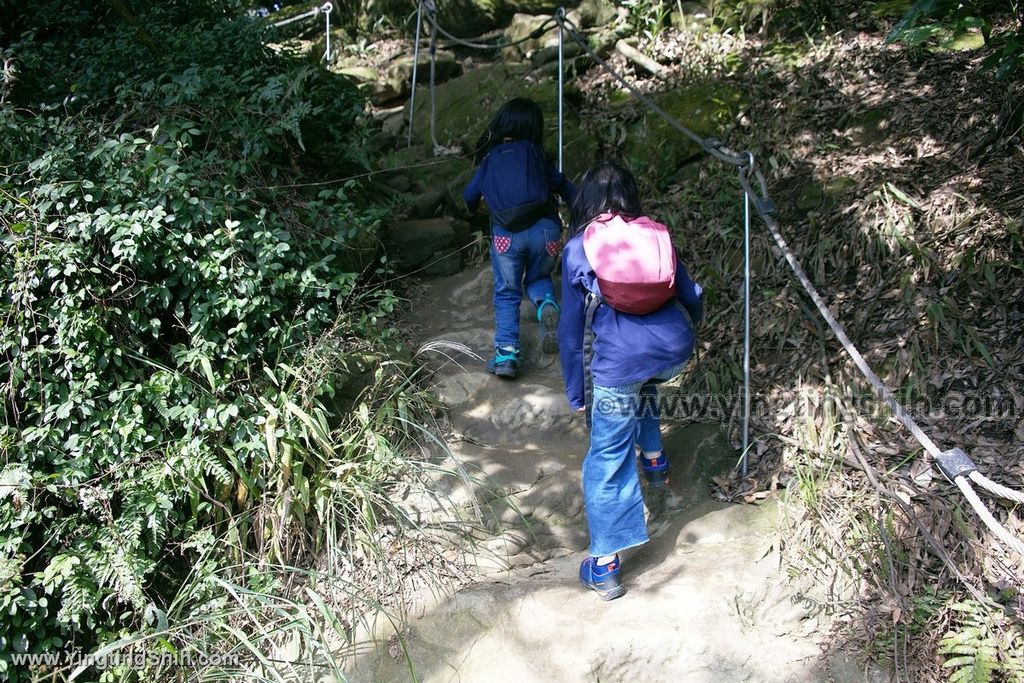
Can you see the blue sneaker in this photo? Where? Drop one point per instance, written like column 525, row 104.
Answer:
column 656, row 471
column 604, row 580
column 547, row 316
column 504, row 363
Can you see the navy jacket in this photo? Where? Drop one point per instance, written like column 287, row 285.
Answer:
column 516, row 173
column 627, row 348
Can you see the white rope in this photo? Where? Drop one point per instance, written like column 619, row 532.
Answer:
column 305, row 15
column 876, row 382
column 995, row 488
column 712, row 147
column 533, row 35
column 326, row 7
column 990, row 521
column 765, row 209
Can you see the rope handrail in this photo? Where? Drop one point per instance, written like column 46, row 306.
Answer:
column 313, row 12
column 712, row 147
column 431, row 12
column 326, row 9
column 996, row 488
column 532, row 35
column 766, row 210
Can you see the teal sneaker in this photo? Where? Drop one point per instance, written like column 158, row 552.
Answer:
column 547, row 316
column 604, row 580
column 504, row 363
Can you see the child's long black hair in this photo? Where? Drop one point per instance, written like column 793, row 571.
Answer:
column 518, row 119
column 608, row 187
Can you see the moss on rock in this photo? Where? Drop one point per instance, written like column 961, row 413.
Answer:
column 656, row 149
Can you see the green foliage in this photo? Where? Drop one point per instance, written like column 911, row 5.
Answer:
column 648, row 18
column 983, row 648
column 928, row 21
column 164, row 283
column 775, row 16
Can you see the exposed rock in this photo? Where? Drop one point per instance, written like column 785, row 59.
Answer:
column 658, row 150
column 603, row 41
column 382, row 93
column 398, row 182
column 446, row 67
column 463, row 18
column 443, row 263
column 520, row 28
column 415, row 242
column 393, row 122
column 596, row 13
column 573, row 67
column 467, row 103
column 363, row 74
column 426, row 205
column 550, row 53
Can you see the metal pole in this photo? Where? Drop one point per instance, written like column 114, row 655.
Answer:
column 432, row 15
column 415, row 61
column 746, row 320
column 561, row 80
column 327, row 8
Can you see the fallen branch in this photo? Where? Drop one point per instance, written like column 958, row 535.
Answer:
column 634, row 55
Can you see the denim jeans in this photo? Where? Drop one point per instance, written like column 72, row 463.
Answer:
column 622, row 418
column 521, row 260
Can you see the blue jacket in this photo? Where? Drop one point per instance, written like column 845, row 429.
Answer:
column 627, row 348
column 516, row 173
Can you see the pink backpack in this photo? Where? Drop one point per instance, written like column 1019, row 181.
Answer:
column 634, row 261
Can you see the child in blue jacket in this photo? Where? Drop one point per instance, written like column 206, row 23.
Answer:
column 627, row 356
column 516, row 180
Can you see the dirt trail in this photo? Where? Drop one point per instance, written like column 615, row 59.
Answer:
column 705, row 602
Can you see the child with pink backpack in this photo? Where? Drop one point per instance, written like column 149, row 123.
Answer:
column 627, row 324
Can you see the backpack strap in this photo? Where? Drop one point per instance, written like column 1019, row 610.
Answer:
column 590, row 307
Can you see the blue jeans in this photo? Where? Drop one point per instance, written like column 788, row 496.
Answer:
column 521, row 259
column 622, row 418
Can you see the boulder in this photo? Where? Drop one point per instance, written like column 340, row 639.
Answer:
column 656, row 149
column 446, row 67
column 466, row 104
column 573, row 67
column 399, row 182
column 550, row 53
column 596, row 13
column 382, row 93
column 415, row 242
column 362, row 74
column 443, row 263
column 463, row 18
column 521, row 26
column 426, row 205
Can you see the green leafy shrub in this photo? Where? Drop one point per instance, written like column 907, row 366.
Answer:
column 985, row 647
column 950, row 20
column 783, row 17
column 164, row 271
